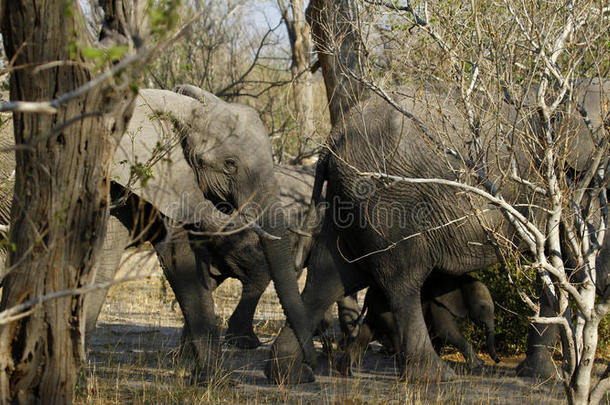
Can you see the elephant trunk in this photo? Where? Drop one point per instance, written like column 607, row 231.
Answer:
column 282, row 268
column 491, row 344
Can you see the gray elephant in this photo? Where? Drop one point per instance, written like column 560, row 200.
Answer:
column 393, row 233
column 190, row 166
column 444, row 298
column 240, row 256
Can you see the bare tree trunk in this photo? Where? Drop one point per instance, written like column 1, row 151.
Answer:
column 580, row 384
column 300, row 43
column 61, row 198
column 337, row 41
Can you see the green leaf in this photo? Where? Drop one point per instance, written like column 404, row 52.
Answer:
column 116, row 52
column 142, row 172
column 92, row 53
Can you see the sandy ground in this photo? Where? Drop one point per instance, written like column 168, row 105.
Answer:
column 132, row 359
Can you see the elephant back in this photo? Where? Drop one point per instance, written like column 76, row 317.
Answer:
column 296, row 183
column 378, row 140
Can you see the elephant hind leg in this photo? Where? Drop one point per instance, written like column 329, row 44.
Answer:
column 241, row 332
column 185, row 268
column 418, row 360
column 541, row 339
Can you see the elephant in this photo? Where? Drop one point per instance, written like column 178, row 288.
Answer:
column 191, row 165
column 444, row 298
column 241, row 256
column 384, row 230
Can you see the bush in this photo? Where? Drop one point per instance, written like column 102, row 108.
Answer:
column 512, row 314
column 510, row 311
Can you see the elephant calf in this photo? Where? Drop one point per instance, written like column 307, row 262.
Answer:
column 444, row 298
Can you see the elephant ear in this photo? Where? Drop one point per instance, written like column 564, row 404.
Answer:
column 150, row 161
column 453, row 301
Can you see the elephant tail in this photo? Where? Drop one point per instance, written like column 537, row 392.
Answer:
column 312, row 221
column 321, row 172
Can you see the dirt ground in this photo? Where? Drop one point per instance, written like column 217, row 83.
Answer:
column 132, row 359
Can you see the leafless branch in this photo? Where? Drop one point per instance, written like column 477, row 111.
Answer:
column 223, row 92
column 396, row 7
column 28, row 307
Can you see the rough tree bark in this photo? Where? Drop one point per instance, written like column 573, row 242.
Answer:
column 300, row 44
column 61, row 198
column 334, row 27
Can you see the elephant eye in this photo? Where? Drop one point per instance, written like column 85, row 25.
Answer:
column 230, row 166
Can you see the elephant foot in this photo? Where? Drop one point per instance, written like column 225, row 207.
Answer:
column 427, row 372
column 218, row 377
column 538, row 365
column 241, row 341
column 284, row 371
column 344, row 366
column 474, row 364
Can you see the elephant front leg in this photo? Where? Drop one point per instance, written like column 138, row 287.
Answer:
column 116, row 239
column 184, row 269
column 445, row 328
column 241, row 332
column 323, row 287
column 286, row 364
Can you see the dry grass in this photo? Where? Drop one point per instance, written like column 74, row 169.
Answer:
column 133, row 360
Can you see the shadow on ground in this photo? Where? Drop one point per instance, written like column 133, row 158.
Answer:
column 143, row 358
column 133, row 359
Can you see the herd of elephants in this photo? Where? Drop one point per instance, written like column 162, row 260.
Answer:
column 195, row 177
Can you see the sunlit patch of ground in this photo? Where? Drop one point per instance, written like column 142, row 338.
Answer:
column 132, row 359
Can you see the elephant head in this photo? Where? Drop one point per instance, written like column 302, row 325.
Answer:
column 481, row 309
column 235, row 165
column 196, row 159
column 468, row 297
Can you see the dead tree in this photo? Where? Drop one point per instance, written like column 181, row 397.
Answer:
column 334, row 26
column 300, row 43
